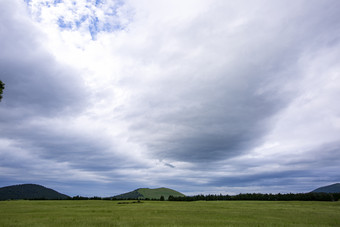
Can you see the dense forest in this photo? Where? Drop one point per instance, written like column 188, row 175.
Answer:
column 263, row 197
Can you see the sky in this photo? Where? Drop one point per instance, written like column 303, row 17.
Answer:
column 201, row 96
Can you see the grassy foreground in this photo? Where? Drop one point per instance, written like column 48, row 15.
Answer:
column 156, row 213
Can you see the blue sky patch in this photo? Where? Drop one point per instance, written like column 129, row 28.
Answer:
column 57, row 2
column 93, row 28
column 64, row 25
column 82, row 20
column 98, row 2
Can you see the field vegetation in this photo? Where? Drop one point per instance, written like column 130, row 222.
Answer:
column 168, row 213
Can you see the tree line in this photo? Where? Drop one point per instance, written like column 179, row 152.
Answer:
column 162, row 198
column 319, row 196
column 243, row 196
column 262, row 197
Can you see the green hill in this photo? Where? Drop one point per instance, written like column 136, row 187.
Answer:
column 147, row 193
column 29, row 191
column 333, row 188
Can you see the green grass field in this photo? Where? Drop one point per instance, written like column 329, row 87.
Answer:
column 156, row 213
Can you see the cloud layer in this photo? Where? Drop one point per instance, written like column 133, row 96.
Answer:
column 201, row 96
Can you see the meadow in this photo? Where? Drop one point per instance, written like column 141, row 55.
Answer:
column 167, row 213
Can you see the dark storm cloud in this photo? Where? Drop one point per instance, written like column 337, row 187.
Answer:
column 322, row 156
column 226, row 103
column 35, row 83
column 261, row 179
column 301, row 172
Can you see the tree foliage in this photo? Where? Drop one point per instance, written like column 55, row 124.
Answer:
column 2, row 87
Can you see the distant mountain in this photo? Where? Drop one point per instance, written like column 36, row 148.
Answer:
column 333, row 188
column 147, row 193
column 29, row 191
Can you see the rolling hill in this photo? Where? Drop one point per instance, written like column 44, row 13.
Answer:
column 29, row 191
column 147, row 193
column 333, row 188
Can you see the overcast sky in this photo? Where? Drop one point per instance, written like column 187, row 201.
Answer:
column 201, row 96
